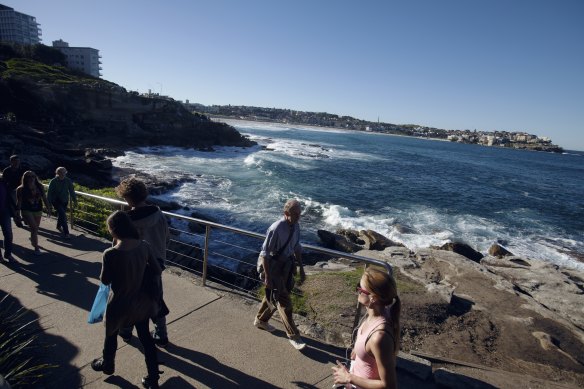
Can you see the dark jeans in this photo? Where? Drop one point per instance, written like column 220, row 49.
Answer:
column 6, row 225
column 110, row 346
column 62, row 217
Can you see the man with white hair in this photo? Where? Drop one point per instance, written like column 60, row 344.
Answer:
column 60, row 191
column 280, row 251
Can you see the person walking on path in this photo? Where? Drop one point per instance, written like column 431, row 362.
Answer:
column 280, row 250
column 12, row 176
column 377, row 343
column 5, row 222
column 30, row 197
column 60, row 190
column 152, row 226
column 125, row 268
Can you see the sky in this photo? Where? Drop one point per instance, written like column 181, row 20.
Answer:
column 507, row 65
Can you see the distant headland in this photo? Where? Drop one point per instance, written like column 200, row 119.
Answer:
column 517, row 140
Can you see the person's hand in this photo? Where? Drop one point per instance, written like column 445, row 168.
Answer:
column 302, row 274
column 353, row 354
column 341, row 374
column 267, row 281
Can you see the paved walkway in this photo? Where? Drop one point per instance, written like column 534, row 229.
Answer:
column 213, row 341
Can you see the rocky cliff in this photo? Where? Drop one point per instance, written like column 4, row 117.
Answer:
column 51, row 113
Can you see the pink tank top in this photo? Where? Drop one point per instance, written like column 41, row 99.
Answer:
column 364, row 364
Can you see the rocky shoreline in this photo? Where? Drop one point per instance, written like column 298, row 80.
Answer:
column 499, row 310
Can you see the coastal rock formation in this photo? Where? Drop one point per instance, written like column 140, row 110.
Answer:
column 337, row 242
column 53, row 116
column 462, row 249
column 496, row 250
column 350, row 241
column 512, row 305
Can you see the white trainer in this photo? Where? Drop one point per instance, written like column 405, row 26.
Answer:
column 263, row 325
column 297, row 342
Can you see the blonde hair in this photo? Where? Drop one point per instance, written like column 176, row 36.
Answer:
column 383, row 286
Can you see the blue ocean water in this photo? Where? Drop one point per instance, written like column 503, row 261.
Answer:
column 532, row 202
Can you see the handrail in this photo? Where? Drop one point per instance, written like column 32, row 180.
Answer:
column 210, row 225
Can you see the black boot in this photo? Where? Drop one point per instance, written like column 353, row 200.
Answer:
column 100, row 364
column 150, row 383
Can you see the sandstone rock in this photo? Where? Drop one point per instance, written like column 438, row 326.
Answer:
column 376, row 241
column 462, row 249
column 352, row 235
column 496, row 250
column 559, row 291
column 337, row 242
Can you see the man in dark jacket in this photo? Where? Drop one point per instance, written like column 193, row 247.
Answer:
column 5, row 222
column 12, row 176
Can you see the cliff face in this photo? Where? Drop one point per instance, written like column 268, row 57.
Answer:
column 107, row 116
column 56, row 117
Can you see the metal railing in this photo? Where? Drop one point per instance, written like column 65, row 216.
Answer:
column 214, row 251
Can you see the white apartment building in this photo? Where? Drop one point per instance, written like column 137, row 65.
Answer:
column 16, row 27
column 84, row 59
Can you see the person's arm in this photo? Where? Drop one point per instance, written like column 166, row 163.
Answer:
column 105, row 277
column 44, row 198
column 298, row 257
column 51, row 191
column 18, row 198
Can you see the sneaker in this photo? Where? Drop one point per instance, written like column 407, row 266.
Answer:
column 160, row 341
column 38, row 251
column 263, row 325
column 297, row 342
column 66, row 236
column 100, row 365
column 127, row 338
column 150, row 383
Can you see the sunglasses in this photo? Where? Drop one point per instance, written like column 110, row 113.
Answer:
column 360, row 290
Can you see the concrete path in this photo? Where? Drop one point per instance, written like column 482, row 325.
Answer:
column 213, row 341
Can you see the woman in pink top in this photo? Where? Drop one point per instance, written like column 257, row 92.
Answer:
column 375, row 352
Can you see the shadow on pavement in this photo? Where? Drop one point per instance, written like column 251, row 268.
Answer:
column 59, row 276
column 49, row 349
column 207, row 370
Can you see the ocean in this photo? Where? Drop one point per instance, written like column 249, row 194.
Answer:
column 531, row 202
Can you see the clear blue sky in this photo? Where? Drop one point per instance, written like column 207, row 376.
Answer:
column 515, row 65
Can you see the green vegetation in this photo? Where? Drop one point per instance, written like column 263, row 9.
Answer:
column 40, row 72
column 91, row 214
column 19, row 345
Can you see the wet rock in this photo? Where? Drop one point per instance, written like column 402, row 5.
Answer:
column 496, row 250
column 463, row 249
column 376, row 241
column 337, row 242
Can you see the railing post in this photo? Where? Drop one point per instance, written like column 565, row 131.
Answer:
column 206, row 253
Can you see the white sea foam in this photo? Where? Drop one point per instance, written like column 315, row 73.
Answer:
column 244, row 187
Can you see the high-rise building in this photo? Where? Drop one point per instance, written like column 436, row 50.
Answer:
column 16, row 27
column 84, row 59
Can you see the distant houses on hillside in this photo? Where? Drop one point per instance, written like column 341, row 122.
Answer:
column 518, row 140
column 21, row 29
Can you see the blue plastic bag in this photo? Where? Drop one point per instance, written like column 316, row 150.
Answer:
column 99, row 304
